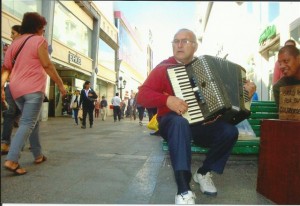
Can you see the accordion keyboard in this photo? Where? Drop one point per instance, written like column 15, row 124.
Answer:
column 183, row 90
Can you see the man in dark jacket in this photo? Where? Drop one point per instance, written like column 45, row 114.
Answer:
column 87, row 99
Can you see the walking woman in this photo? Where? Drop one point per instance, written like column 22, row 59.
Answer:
column 12, row 114
column 75, row 105
column 27, row 68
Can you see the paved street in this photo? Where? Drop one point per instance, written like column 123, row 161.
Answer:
column 115, row 163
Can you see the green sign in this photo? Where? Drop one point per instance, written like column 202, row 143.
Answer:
column 268, row 33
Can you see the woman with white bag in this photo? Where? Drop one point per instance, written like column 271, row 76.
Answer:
column 75, row 105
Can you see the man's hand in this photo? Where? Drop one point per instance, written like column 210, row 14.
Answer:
column 177, row 105
column 250, row 87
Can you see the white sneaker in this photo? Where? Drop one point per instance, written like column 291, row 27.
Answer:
column 206, row 184
column 187, row 198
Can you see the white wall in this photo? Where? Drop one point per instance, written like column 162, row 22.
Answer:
column 231, row 30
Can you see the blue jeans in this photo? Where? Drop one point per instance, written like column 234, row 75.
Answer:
column 75, row 112
column 9, row 117
column 30, row 106
column 219, row 136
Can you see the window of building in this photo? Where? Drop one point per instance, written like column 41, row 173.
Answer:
column 18, row 8
column 295, row 30
column 102, row 88
column 106, row 55
column 273, row 11
column 250, row 7
column 130, row 52
column 69, row 30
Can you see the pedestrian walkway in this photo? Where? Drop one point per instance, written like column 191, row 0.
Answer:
column 115, row 163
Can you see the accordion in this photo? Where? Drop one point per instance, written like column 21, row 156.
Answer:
column 211, row 86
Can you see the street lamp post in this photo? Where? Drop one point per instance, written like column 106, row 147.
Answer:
column 122, row 85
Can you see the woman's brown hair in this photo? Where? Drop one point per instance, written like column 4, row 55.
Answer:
column 16, row 28
column 32, row 22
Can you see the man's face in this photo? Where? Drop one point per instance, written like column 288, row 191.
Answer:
column 289, row 65
column 184, row 47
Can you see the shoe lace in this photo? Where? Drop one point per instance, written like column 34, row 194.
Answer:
column 208, row 180
column 188, row 197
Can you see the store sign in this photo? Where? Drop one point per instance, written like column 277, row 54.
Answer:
column 73, row 58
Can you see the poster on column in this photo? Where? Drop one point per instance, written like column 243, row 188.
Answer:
column 289, row 103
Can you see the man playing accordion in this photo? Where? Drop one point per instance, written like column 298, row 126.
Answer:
column 216, row 134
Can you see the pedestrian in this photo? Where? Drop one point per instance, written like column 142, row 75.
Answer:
column 97, row 108
column 131, row 107
column 151, row 112
column 75, row 105
column 289, row 62
column 87, row 99
column 116, row 102
column 217, row 135
column 123, row 107
column 103, row 107
column 27, row 73
column 140, row 110
column 12, row 114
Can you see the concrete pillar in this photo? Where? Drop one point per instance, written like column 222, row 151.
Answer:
column 48, row 13
column 95, row 47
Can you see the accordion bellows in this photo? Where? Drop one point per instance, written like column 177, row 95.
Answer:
column 211, row 86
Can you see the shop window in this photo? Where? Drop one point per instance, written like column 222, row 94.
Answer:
column 106, row 55
column 70, row 30
column 18, row 8
column 295, row 30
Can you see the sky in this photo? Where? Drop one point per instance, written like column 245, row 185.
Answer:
column 164, row 18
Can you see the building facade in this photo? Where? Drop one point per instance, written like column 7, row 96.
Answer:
column 84, row 45
column 131, row 57
column 235, row 31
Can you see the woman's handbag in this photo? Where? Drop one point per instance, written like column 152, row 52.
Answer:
column 75, row 105
column 153, row 124
column 80, row 114
column 45, row 98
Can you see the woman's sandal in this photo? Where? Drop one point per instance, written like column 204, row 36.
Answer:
column 15, row 171
column 40, row 160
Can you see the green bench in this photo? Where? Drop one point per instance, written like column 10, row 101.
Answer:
column 259, row 110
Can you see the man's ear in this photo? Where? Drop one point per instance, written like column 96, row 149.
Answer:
column 195, row 47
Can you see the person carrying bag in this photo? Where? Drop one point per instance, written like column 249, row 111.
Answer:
column 75, row 106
